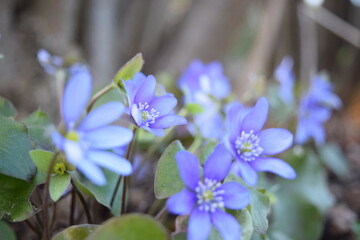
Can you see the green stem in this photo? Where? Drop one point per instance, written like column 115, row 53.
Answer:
column 98, row 95
column 83, row 202
column 196, row 143
column 46, row 197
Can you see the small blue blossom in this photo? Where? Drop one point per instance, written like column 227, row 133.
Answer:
column 50, row 63
column 205, row 85
column 150, row 112
column 286, row 78
column 315, row 109
column 249, row 144
column 206, row 198
column 85, row 144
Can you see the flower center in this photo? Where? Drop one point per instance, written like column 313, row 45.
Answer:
column 209, row 197
column 148, row 115
column 247, row 146
column 60, row 168
column 73, row 136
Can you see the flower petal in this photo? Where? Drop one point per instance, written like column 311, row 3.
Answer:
column 188, row 166
column 275, row 140
column 235, row 113
column 218, row 164
column 163, row 104
column 226, row 224
column 181, row 203
column 111, row 161
column 73, row 151
column 274, row 165
column 58, row 140
column 146, row 90
column 199, row 225
column 130, row 89
column 136, row 114
column 102, row 116
column 168, row 121
column 247, row 173
column 92, row 172
column 76, row 95
column 235, row 196
column 108, row 137
column 256, row 118
column 156, row 131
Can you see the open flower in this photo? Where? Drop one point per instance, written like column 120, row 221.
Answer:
column 150, row 112
column 205, row 85
column 315, row 109
column 86, row 145
column 205, row 198
column 249, row 145
column 286, row 78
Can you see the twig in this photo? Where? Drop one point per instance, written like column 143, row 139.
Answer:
column 33, row 228
column 73, row 203
column 161, row 213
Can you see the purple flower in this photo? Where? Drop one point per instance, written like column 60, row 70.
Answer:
column 150, row 112
column 50, row 63
column 249, row 144
column 285, row 76
column 86, row 145
column 205, row 198
column 205, row 85
column 315, row 109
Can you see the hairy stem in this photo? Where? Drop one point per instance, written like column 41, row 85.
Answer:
column 46, row 197
column 83, row 202
column 98, row 95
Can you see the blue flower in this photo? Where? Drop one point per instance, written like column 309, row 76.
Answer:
column 249, row 145
column 85, row 144
column 285, row 76
column 205, row 85
column 205, row 198
column 150, row 112
column 50, row 63
column 315, row 109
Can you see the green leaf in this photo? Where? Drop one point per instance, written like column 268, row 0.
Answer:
column 334, row 159
column 259, row 208
column 130, row 227
column 6, row 231
column 194, row 108
column 102, row 194
column 15, row 145
column 58, row 185
column 206, row 150
column 40, row 128
column 167, row 176
column 246, row 223
column 41, row 159
column 7, row 109
column 77, row 232
column 128, row 71
column 14, row 197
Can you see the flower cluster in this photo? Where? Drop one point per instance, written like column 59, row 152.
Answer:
column 286, row 78
column 206, row 197
column 86, row 144
column 205, row 85
column 315, row 109
column 150, row 112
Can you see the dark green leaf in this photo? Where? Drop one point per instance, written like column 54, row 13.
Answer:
column 130, row 227
column 58, row 185
column 6, row 231
column 206, row 150
column 15, row 145
column 14, row 197
column 102, row 194
column 334, row 159
column 40, row 128
column 77, row 232
column 128, row 71
column 7, row 109
column 259, row 208
column 167, row 177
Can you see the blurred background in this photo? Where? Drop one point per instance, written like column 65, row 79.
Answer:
column 250, row 37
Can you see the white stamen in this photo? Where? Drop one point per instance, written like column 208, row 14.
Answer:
column 247, row 146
